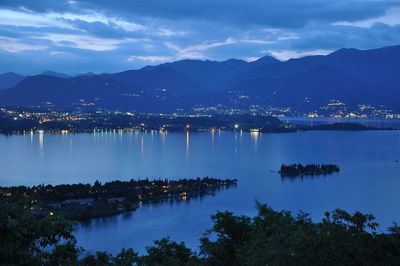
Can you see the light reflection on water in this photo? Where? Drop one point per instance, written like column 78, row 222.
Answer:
column 368, row 181
column 187, row 144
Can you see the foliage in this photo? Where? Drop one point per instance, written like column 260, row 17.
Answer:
column 166, row 252
column 295, row 170
column 25, row 237
column 270, row 238
column 278, row 238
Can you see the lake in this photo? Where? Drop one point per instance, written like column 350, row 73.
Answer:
column 368, row 181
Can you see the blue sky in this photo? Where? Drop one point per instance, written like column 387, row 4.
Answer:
column 76, row 36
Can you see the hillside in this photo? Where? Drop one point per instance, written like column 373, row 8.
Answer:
column 9, row 80
column 349, row 75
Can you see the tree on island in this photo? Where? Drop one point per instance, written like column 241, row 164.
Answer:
column 294, row 170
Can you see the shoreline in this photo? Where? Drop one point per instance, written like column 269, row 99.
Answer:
column 82, row 202
column 346, row 126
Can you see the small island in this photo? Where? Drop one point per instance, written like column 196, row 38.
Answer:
column 81, row 202
column 295, row 170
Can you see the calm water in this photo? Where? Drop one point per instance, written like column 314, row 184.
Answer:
column 368, row 181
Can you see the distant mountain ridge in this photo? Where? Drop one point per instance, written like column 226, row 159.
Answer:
column 9, row 80
column 374, row 74
column 214, row 75
column 351, row 75
column 55, row 74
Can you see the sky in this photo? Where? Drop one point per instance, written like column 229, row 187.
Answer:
column 78, row 36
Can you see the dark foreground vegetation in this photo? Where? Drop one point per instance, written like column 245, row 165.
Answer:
column 270, row 238
column 85, row 201
column 295, row 170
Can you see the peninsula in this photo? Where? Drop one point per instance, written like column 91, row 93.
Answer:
column 85, row 201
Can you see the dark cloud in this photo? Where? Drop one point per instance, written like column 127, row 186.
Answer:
column 100, row 29
column 331, row 38
column 108, row 36
column 271, row 13
column 4, row 32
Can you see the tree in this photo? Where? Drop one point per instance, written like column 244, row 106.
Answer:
column 24, row 236
column 169, row 253
column 269, row 238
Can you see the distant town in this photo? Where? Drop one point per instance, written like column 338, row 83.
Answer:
column 25, row 120
column 333, row 108
column 83, row 110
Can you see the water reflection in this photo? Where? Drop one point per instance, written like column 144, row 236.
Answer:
column 236, row 143
column 171, row 202
column 254, row 139
column 142, row 146
column 187, row 144
column 163, row 135
column 41, row 143
column 305, row 177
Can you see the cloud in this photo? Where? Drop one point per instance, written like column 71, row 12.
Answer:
column 283, row 13
column 14, row 46
column 84, row 42
column 150, row 58
column 325, row 37
column 289, row 54
column 251, row 58
column 26, row 18
column 257, row 41
column 195, row 51
column 59, row 53
column 97, row 18
column 391, row 18
column 101, row 35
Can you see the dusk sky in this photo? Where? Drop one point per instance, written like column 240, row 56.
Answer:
column 110, row 36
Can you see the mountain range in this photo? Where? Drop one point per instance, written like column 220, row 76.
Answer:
column 9, row 80
column 349, row 75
